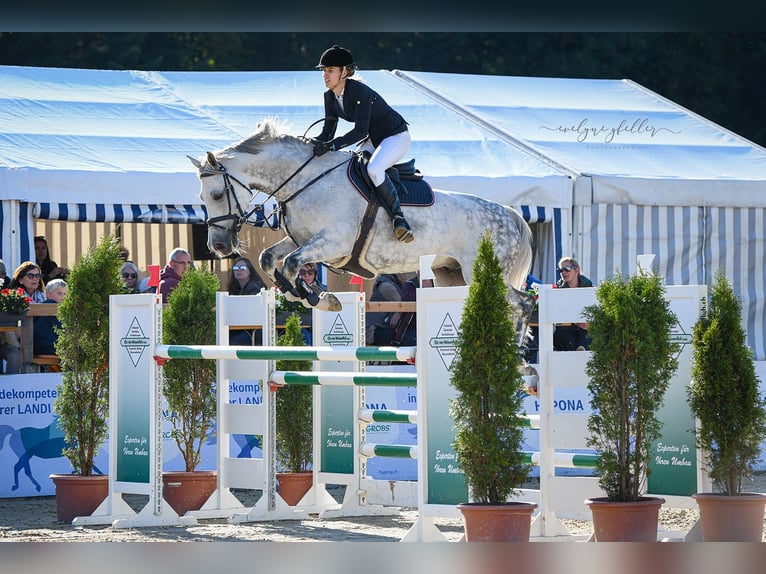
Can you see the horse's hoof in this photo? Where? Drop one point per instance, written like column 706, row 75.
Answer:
column 329, row 302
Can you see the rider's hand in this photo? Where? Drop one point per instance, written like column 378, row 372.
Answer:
column 320, row 147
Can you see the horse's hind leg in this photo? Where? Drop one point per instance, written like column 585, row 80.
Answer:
column 24, row 463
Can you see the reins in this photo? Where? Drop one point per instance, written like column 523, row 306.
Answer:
column 242, row 216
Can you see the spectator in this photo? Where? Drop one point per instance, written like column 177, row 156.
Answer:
column 404, row 324
column 309, row 274
column 4, row 279
column 387, row 287
column 29, row 277
column 179, row 261
column 130, row 277
column 50, row 269
column 124, row 253
column 573, row 336
column 532, row 345
column 244, row 280
column 45, row 327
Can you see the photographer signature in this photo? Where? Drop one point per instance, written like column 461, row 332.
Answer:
column 584, row 131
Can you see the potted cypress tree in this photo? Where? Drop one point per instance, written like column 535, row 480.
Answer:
column 631, row 364
column 487, row 407
column 725, row 398
column 294, row 422
column 82, row 404
column 189, row 387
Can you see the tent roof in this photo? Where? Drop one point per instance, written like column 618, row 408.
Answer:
column 634, row 145
column 112, row 137
column 99, row 136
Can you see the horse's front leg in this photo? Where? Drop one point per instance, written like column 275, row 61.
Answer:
column 313, row 295
column 268, row 261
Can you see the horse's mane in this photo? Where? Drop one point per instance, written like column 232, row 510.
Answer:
column 268, row 129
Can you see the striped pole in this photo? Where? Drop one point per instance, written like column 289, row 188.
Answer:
column 282, row 378
column 396, row 354
column 368, row 416
column 565, row 459
column 388, row 450
column 531, row 421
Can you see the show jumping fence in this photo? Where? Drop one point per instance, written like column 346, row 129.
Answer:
column 340, row 411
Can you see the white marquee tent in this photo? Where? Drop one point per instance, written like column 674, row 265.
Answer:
column 610, row 169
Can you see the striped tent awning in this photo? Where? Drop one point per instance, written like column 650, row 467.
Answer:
column 124, row 213
column 187, row 213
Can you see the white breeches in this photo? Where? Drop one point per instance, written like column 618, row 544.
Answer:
column 389, row 152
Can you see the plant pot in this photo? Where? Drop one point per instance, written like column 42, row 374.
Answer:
column 293, row 486
column 509, row 522
column 634, row 521
column 78, row 495
column 185, row 491
column 731, row 518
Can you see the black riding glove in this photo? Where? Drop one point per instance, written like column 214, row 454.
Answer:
column 320, row 147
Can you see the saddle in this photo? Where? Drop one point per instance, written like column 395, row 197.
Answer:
column 412, row 189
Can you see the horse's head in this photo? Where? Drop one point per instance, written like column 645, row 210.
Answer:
column 224, row 203
column 227, row 179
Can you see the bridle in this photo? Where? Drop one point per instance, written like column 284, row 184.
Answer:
column 240, row 217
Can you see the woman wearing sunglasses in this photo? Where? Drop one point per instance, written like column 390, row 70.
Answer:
column 28, row 277
column 130, row 277
column 244, row 280
column 573, row 337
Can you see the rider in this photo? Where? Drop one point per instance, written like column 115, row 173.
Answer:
column 381, row 130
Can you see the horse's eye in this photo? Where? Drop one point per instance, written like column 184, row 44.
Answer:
column 216, row 195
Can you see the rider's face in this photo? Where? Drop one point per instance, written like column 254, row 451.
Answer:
column 332, row 77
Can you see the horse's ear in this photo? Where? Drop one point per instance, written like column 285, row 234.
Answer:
column 196, row 162
column 211, row 160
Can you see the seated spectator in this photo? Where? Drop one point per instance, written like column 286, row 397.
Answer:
column 29, row 277
column 50, row 269
column 130, row 277
column 4, row 279
column 179, row 260
column 572, row 337
column 404, row 324
column 45, row 327
column 309, row 274
column 532, row 343
column 244, row 280
column 387, row 287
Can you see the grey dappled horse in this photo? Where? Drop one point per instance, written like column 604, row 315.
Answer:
column 320, row 211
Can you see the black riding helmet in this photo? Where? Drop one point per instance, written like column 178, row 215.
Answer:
column 335, row 56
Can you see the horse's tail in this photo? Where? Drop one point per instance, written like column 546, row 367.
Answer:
column 522, row 267
column 5, row 430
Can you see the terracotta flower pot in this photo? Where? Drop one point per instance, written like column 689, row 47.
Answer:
column 625, row 521
column 731, row 518
column 509, row 522
column 293, row 486
column 78, row 495
column 185, row 491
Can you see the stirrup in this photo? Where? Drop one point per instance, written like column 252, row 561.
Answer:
column 402, row 230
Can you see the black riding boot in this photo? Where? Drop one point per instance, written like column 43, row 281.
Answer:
column 390, row 200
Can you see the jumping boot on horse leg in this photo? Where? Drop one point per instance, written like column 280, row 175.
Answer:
column 390, row 200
